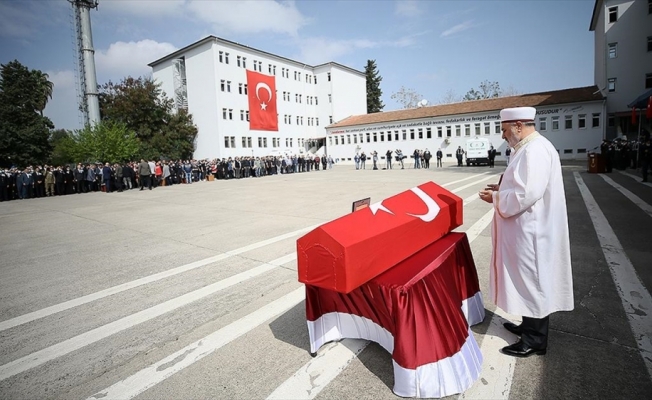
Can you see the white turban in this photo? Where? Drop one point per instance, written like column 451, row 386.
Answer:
column 518, row 114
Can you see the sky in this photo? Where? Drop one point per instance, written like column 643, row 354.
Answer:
column 434, row 47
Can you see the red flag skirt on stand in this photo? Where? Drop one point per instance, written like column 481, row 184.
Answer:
column 262, row 102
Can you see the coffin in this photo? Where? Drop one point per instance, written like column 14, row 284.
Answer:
column 343, row 254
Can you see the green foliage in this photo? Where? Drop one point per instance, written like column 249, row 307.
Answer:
column 64, row 150
column 107, row 141
column 143, row 107
column 24, row 131
column 374, row 103
column 487, row 90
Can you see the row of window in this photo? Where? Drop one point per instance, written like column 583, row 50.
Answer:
column 612, row 48
column 613, row 12
column 247, row 142
column 477, row 130
column 225, row 86
column 241, row 61
column 611, row 82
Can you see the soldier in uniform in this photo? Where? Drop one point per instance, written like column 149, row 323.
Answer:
column 49, row 182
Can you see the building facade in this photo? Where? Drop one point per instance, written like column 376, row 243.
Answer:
column 208, row 79
column 572, row 119
column 623, row 57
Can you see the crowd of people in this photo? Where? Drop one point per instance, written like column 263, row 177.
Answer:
column 47, row 180
column 421, row 159
column 622, row 154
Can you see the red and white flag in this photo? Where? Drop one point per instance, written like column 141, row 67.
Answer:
column 262, row 102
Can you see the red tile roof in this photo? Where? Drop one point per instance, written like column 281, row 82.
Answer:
column 575, row 95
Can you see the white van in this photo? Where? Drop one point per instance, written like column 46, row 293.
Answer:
column 477, row 151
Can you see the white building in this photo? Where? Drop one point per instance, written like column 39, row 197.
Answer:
column 623, row 57
column 572, row 119
column 208, row 78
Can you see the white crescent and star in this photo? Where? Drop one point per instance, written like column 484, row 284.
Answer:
column 433, row 207
column 263, row 105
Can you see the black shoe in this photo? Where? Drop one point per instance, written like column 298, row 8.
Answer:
column 515, row 329
column 520, row 349
column 142, row 188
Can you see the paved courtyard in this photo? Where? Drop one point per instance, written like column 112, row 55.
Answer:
column 191, row 291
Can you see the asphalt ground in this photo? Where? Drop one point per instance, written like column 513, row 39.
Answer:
column 98, row 292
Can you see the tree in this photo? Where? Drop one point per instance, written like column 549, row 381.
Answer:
column 43, row 91
column 374, row 103
column 487, row 90
column 450, row 97
column 409, row 98
column 64, row 147
column 144, row 108
column 24, row 131
column 108, row 141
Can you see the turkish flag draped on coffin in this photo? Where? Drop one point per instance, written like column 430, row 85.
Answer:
column 262, row 102
column 345, row 253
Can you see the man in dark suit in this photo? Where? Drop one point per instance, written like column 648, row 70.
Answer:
column 79, row 174
column 492, row 156
column 106, row 177
column 439, row 157
column 25, row 182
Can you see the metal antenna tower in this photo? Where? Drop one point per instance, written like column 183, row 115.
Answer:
column 89, row 103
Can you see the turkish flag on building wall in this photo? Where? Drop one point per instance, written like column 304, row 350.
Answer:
column 262, row 102
column 648, row 111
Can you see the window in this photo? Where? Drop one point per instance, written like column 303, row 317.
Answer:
column 382, row 137
column 330, row 119
column 458, row 130
column 375, row 136
column 317, row 120
column 336, row 140
column 241, row 115
column 247, row 117
column 613, row 14
column 477, row 129
column 245, row 88
column 355, row 139
column 612, row 120
column 428, row 133
column 222, row 84
column 224, row 113
column 368, row 137
column 221, row 56
column 612, row 84
column 596, row 120
column 329, row 98
column 411, row 134
column 404, row 133
column 299, row 76
column 555, row 123
column 244, row 141
column 330, row 141
column 230, row 113
column 239, row 60
column 543, row 124
column 226, row 58
column 613, row 50
column 467, row 129
column 240, row 88
column 389, row 136
column 298, row 120
column 487, row 128
column 396, row 135
column 329, row 76
column 227, row 142
column 420, row 133
column 581, row 121
column 244, row 62
column 568, row 122
column 497, row 127
column 568, row 151
column 648, row 81
column 228, row 86
column 649, row 43
column 581, row 151
column 649, row 6
column 316, row 101
column 448, row 131
column 295, row 75
column 439, row 131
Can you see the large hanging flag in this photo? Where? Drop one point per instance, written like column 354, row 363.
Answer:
column 648, row 111
column 262, row 102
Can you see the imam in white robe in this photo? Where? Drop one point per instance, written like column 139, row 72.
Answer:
column 530, row 271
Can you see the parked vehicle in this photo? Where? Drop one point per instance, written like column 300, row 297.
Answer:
column 477, row 151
